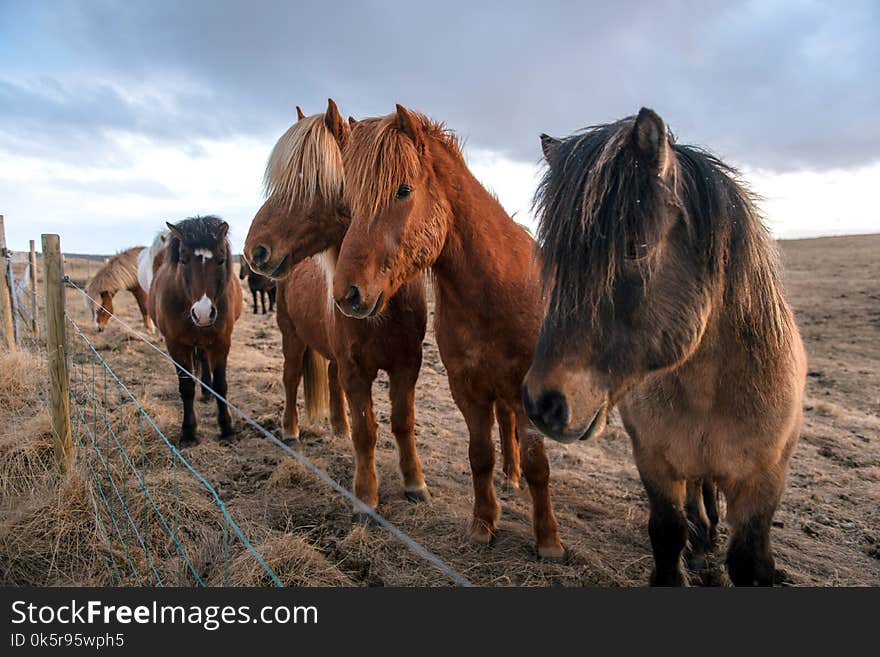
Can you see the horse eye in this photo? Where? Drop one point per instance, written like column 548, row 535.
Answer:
column 636, row 251
column 403, row 191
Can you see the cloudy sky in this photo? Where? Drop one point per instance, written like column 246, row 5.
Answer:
column 117, row 116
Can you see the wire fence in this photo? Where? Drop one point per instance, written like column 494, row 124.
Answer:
column 162, row 522
column 113, row 441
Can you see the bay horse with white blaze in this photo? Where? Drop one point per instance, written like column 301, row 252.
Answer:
column 119, row 273
column 416, row 206
column 195, row 301
column 665, row 299
column 295, row 237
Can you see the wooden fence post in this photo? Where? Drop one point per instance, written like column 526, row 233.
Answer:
column 35, row 328
column 56, row 345
column 6, row 294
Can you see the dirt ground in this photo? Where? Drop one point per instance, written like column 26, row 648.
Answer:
column 826, row 532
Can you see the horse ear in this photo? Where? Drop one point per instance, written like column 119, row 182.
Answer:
column 409, row 125
column 222, row 231
column 352, row 122
column 299, row 113
column 549, row 145
column 174, row 230
column 334, row 122
column 650, row 140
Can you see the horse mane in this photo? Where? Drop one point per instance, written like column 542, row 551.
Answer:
column 118, row 273
column 199, row 232
column 305, row 165
column 596, row 204
column 376, row 166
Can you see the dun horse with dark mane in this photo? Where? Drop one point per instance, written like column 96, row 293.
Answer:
column 415, row 205
column 195, row 301
column 295, row 237
column 119, row 273
column 664, row 299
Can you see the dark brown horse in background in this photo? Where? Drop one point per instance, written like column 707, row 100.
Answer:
column 415, row 205
column 295, row 237
column 665, row 300
column 195, row 301
column 257, row 283
column 119, row 273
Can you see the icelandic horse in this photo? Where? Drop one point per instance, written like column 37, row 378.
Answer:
column 416, row 206
column 119, row 273
column 295, row 238
column 665, row 300
column 195, row 301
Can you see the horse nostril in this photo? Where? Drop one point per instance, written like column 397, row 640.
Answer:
column 353, row 298
column 551, row 410
column 213, row 314
column 192, row 313
column 260, row 255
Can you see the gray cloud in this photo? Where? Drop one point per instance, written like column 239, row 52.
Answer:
column 778, row 85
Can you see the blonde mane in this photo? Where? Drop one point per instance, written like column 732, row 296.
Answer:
column 379, row 157
column 305, row 165
column 118, row 273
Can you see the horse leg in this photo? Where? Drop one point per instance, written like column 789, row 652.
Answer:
column 509, row 445
column 751, row 504
column 186, row 385
column 254, row 293
column 263, row 300
column 294, row 349
column 218, row 358
column 403, row 392
column 338, row 416
column 205, row 373
column 141, row 298
column 536, row 470
column 699, row 533
column 478, row 417
column 710, row 502
column 358, row 390
column 272, row 292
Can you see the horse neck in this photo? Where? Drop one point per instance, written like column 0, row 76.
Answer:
column 485, row 252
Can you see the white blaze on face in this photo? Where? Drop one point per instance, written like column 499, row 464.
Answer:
column 203, row 313
column 204, row 254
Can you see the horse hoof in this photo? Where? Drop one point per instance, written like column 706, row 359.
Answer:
column 361, row 519
column 188, row 441
column 480, row 532
column 695, row 562
column 552, row 553
column 290, row 439
column 226, row 434
column 417, row 494
column 345, row 435
column 511, row 483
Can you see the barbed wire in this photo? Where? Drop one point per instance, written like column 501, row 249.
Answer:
column 374, row 515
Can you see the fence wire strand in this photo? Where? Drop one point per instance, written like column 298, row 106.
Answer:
column 229, row 523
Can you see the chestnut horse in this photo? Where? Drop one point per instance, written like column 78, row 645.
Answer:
column 195, row 301
column 258, row 283
column 305, row 215
column 416, row 206
column 665, row 300
column 119, row 273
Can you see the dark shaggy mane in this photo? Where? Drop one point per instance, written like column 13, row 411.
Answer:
column 597, row 213
column 199, row 232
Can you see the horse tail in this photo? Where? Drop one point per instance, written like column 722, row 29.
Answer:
column 316, row 385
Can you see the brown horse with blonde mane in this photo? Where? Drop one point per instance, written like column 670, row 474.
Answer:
column 195, row 301
column 416, row 206
column 119, row 273
column 665, row 300
column 295, row 237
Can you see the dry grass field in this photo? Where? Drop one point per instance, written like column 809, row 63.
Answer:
column 826, row 533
